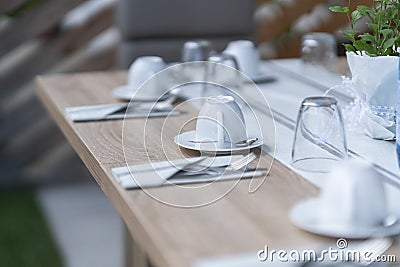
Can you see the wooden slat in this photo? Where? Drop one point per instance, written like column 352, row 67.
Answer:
column 24, row 110
column 58, row 164
column 26, row 145
column 291, row 46
column 10, row 5
column 34, row 22
column 269, row 30
column 84, row 60
column 55, row 50
column 20, row 118
column 28, row 137
column 18, row 99
column 31, row 142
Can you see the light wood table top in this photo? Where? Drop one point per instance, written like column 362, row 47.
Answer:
column 240, row 222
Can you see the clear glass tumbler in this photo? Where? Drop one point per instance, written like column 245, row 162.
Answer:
column 320, row 138
column 222, row 75
column 196, row 50
column 320, row 49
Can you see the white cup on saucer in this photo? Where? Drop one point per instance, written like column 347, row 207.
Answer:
column 247, row 56
column 353, row 196
column 220, row 121
column 141, row 70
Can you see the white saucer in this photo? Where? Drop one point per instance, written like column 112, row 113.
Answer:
column 183, row 140
column 305, row 216
column 123, row 92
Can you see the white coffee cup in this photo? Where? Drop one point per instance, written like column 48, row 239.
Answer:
column 142, row 69
column 220, row 120
column 246, row 55
column 353, row 196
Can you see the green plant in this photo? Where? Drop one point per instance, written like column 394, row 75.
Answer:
column 383, row 20
column 25, row 239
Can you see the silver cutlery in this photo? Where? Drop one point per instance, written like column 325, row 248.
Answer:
column 122, row 110
column 234, row 166
column 120, row 106
column 237, row 165
column 202, row 141
column 201, row 163
column 211, row 178
column 169, row 173
column 242, row 143
column 125, row 173
column 165, row 105
column 247, row 142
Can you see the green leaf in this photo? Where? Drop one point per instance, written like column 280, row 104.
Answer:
column 338, row 9
column 365, row 10
column 390, row 52
column 388, row 44
column 387, row 32
column 383, row 20
column 370, row 49
column 349, row 47
column 350, row 34
column 355, row 16
column 359, row 45
column 367, row 37
column 373, row 27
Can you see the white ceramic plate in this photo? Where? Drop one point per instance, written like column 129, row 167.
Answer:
column 183, row 140
column 305, row 216
column 125, row 93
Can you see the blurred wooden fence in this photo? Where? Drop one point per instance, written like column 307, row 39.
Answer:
column 35, row 38
column 281, row 23
column 39, row 36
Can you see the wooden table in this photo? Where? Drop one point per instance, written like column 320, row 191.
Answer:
column 240, row 222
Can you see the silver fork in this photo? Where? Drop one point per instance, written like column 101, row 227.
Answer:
column 238, row 164
column 234, row 166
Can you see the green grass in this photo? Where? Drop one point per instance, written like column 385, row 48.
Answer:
column 25, row 239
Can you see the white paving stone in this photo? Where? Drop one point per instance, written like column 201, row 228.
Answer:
column 85, row 226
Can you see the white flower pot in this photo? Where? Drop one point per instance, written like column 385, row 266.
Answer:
column 374, row 79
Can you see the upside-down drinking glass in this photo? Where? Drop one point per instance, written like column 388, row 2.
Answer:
column 222, row 69
column 320, row 139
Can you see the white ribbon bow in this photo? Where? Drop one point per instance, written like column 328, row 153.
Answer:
column 376, row 121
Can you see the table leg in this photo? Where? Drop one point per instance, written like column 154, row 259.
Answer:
column 134, row 254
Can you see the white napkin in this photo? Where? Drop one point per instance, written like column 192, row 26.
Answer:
column 376, row 127
column 374, row 78
column 93, row 112
column 107, row 112
column 153, row 174
column 156, row 174
column 374, row 83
